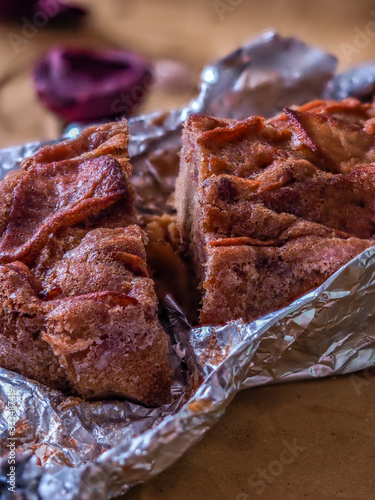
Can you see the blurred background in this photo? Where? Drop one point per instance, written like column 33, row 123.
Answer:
column 192, row 33
column 331, row 420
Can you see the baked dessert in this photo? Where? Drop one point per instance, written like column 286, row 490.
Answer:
column 269, row 209
column 170, row 271
column 78, row 310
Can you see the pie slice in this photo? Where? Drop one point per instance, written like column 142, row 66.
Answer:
column 269, row 209
column 78, row 310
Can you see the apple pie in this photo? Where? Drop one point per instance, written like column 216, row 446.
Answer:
column 269, row 209
column 78, row 310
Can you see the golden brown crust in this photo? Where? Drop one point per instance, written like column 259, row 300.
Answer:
column 50, row 196
column 271, row 208
column 93, row 142
column 78, row 310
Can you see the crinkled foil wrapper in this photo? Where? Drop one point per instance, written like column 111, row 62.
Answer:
column 73, row 449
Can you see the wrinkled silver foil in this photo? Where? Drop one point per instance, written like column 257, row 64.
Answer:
column 73, row 449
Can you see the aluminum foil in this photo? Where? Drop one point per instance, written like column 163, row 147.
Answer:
column 73, row 449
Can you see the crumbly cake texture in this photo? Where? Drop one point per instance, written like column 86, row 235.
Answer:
column 171, row 274
column 269, row 209
column 78, row 310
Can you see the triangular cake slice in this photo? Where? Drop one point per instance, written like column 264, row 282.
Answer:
column 78, row 310
column 269, row 209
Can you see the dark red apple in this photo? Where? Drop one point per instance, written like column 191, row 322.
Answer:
column 37, row 11
column 88, row 85
column 14, row 10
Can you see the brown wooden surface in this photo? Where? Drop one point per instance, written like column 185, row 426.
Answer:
column 332, row 420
